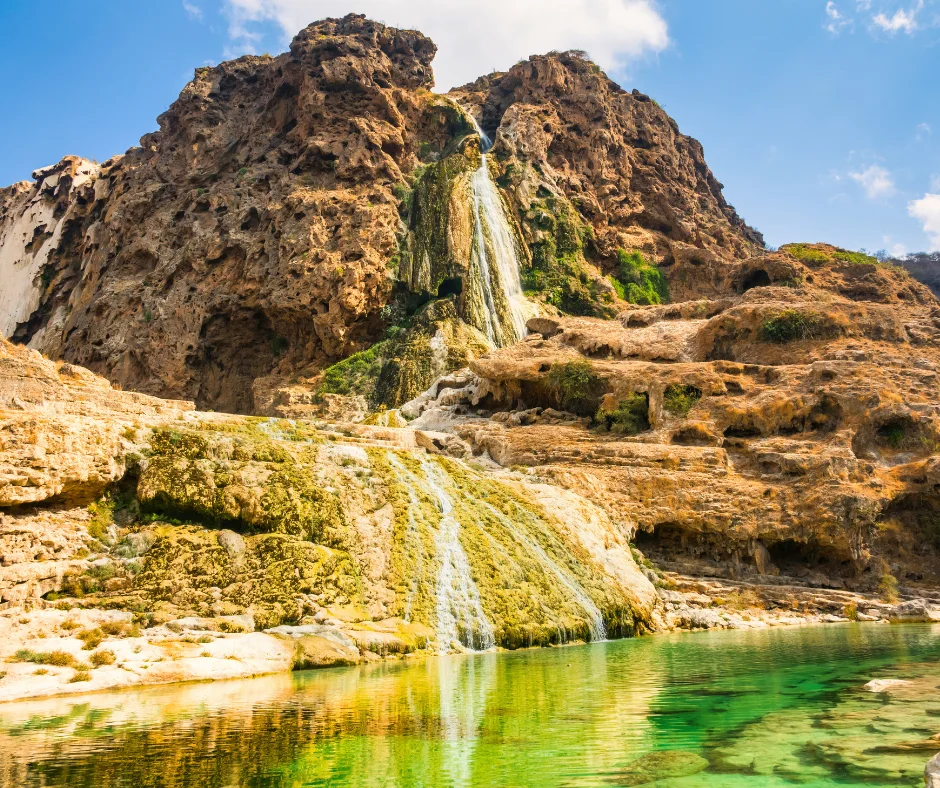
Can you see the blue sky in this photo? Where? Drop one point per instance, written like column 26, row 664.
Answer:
column 821, row 118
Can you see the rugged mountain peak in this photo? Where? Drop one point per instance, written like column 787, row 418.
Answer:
column 292, row 211
column 617, row 154
column 356, row 50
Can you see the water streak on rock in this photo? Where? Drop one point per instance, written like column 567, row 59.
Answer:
column 460, row 617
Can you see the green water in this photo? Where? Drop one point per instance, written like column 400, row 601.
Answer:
column 751, row 709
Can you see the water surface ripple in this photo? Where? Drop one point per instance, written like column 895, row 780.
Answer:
column 751, row 709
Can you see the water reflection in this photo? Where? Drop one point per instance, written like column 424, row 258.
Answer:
column 550, row 717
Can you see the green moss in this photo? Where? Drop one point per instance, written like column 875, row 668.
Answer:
column 630, row 417
column 426, row 262
column 188, row 477
column 558, row 273
column 679, row 399
column 642, row 282
column 792, row 325
column 575, row 386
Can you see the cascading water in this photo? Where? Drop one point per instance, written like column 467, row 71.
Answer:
column 495, row 260
column 460, row 617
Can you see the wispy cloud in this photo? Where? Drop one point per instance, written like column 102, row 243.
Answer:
column 879, row 16
column 895, row 249
column 490, row 34
column 836, row 21
column 935, row 183
column 875, row 180
column 902, row 20
column 192, row 11
column 927, row 211
column 923, row 131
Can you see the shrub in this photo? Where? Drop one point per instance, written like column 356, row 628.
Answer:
column 80, row 674
column 790, row 325
column 92, row 638
column 679, row 399
column 55, row 658
column 807, row 253
column 356, row 374
column 850, row 611
column 642, row 282
column 888, row 588
column 630, row 417
column 102, row 657
column 102, row 517
column 575, row 386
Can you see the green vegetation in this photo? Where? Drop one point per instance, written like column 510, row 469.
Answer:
column 630, row 417
column 679, row 399
column 356, row 374
column 80, row 674
column 575, row 386
column 823, row 254
column 791, row 325
column 640, row 282
column 558, row 273
column 102, row 657
column 888, row 588
column 894, row 435
column 102, row 518
column 61, row 659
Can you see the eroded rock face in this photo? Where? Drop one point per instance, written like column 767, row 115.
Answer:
column 290, row 210
column 789, row 431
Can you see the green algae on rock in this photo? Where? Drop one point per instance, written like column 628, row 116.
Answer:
column 240, row 516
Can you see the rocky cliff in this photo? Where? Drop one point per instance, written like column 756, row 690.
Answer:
column 277, row 221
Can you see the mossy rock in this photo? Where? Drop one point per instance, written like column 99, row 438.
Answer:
column 206, row 478
column 187, row 563
column 558, row 274
column 394, row 371
column 661, row 765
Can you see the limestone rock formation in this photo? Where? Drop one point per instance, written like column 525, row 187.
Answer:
column 786, row 430
column 320, row 241
column 292, row 210
column 172, row 513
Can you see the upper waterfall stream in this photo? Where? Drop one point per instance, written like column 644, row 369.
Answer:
column 495, row 259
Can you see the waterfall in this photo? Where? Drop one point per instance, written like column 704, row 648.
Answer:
column 495, row 256
column 460, row 616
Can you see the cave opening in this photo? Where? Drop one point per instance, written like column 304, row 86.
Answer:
column 450, row 287
column 756, row 278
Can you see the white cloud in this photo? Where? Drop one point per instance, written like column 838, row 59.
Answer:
column 192, row 11
column 923, row 131
column 875, row 180
column 487, row 34
column 927, row 210
column 894, row 249
column 836, row 19
column 900, row 20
